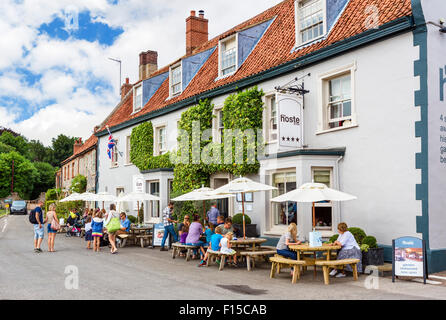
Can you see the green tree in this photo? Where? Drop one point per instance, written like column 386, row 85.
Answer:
column 6, row 148
column 79, row 184
column 45, row 179
column 25, row 175
column 39, row 153
column 62, row 148
column 18, row 142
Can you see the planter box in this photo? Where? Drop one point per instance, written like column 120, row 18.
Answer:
column 374, row 257
column 250, row 229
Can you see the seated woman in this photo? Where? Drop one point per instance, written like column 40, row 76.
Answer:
column 193, row 237
column 290, row 237
column 350, row 249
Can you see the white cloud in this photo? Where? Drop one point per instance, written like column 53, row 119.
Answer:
column 69, row 68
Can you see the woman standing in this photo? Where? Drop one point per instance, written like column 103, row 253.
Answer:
column 112, row 235
column 51, row 215
column 350, row 249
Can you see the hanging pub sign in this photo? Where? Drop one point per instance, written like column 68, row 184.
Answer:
column 409, row 258
column 290, row 116
column 138, row 186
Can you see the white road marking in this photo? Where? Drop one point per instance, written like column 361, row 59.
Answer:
column 6, row 223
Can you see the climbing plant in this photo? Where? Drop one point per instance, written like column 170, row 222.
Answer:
column 141, row 151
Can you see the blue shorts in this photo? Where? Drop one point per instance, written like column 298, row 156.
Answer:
column 51, row 230
column 38, row 232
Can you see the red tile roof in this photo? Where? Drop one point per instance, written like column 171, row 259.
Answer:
column 274, row 48
column 90, row 143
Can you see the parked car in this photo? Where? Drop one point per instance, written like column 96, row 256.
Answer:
column 18, row 207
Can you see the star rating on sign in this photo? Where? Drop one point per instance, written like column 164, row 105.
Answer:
column 292, row 139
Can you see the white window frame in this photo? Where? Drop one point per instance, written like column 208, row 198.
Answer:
column 268, row 117
column 135, row 109
column 323, row 98
column 297, row 22
column 217, row 134
column 220, row 71
column 157, row 149
column 171, row 84
column 127, row 150
column 154, row 205
column 279, row 228
column 329, row 204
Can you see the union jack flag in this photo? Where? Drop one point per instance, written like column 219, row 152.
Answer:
column 111, row 145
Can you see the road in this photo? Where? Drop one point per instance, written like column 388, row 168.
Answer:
column 137, row 273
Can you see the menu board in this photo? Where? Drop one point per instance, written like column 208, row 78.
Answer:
column 409, row 258
column 158, row 234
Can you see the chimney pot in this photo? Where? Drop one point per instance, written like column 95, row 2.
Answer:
column 196, row 31
column 192, row 13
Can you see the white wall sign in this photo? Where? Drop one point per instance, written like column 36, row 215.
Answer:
column 290, row 116
column 138, row 186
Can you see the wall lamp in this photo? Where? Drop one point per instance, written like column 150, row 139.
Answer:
column 439, row 25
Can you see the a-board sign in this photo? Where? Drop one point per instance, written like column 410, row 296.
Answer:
column 158, row 234
column 409, row 258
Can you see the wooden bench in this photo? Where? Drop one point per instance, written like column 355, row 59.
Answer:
column 125, row 238
column 278, row 262
column 215, row 254
column 177, row 247
column 250, row 256
column 143, row 238
column 330, row 264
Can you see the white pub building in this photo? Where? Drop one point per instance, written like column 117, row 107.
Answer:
column 354, row 98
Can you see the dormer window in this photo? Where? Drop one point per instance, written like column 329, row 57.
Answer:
column 137, row 98
column 228, row 56
column 310, row 21
column 175, row 80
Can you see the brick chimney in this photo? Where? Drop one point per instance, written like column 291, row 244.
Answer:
column 77, row 145
column 125, row 88
column 148, row 64
column 196, row 31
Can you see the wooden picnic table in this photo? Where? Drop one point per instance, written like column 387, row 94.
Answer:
column 255, row 243
column 302, row 248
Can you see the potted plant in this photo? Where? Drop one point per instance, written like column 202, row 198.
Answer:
column 250, row 229
column 371, row 253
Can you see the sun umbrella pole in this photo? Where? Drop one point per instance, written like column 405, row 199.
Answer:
column 314, row 217
column 204, row 211
column 243, row 210
column 137, row 214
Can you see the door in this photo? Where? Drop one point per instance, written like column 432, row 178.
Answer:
column 222, row 204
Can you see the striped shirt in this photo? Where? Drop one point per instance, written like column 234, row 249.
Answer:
column 167, row 213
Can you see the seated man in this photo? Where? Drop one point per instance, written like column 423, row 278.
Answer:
column 227, row 227
column 125, row 224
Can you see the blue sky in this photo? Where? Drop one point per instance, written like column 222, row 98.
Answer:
column 55, row 75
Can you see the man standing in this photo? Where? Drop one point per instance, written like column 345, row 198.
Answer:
column 39, row 227
column 168, row 225
column 212, row 214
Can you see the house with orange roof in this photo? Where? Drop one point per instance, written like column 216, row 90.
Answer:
column 81, row 162
column 353, row 98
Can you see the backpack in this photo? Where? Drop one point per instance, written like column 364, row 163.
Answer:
column 32, row 217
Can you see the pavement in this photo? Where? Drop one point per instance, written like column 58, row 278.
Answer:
column 73, row 272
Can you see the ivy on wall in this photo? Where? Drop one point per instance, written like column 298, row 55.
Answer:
column 241, row 111
column 141, row 151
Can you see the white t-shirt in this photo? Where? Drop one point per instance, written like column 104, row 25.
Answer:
column 347, row 240
column 224, row 245
column 87, row 227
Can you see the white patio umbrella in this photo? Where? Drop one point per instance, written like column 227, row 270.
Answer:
column 122, row 205
column 202, row 194
column 103, row 197
column 313, row 192
column 138, row 196
column 72, row 197
column 86, row 196
column 243, row 185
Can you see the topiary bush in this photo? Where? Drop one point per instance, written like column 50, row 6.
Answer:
column 333, row 238
column 238, row 219
column 370, row 241
column 132, row 219
column 358, row 233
